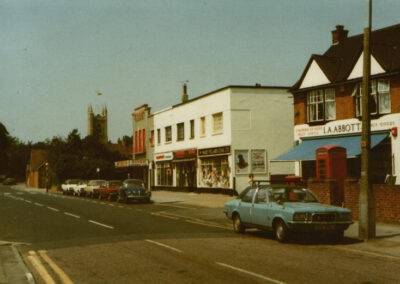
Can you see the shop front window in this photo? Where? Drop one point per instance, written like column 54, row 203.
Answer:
column 164, row 174
column 185, row 174
column 215, row 172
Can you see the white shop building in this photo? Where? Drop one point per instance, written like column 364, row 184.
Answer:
column 216, row 140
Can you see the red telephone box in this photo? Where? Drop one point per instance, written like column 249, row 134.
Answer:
column 331, row 163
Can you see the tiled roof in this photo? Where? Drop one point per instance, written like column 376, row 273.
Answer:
column 339, row 60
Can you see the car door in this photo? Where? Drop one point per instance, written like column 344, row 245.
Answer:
column 246, row 205
column 260, row 216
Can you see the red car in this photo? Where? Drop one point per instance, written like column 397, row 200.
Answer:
column 110, row 189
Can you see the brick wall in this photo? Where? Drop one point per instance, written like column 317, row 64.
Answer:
column 323, row 189
column 387, row 198
column 387, row 201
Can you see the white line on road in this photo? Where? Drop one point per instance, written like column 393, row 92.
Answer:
column 165, row 216
column 139, row 210
column 111, row 204
column 54, row 209
column 101, row 224
column 72, row 215
column 64, row 277
column 27, row 201
column 38, row 204
column 163, row 245
column 209, row 224
column 176, row 206
column 251, row 273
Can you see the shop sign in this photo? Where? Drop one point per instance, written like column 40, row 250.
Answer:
column 163, row 157
column 185, row 154
column 141, row 162
column 123, row 164
column 215, row 151
column 336, row 128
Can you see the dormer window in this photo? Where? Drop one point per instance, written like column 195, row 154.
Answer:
column 321, row 105
column 380, row 97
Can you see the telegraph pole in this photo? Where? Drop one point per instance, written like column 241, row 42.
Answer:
column 366, row 226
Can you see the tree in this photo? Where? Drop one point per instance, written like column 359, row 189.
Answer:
column 4, row 143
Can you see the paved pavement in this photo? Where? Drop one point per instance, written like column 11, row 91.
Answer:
column 386, row 244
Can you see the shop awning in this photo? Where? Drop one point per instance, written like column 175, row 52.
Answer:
column 306, row 149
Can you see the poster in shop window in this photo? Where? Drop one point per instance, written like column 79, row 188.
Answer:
column 242, row 161
column 258, row 161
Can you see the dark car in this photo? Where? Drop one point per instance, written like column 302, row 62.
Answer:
column 133, row 190
column 9, row 181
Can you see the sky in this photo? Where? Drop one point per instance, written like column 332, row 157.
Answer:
column 56, row 56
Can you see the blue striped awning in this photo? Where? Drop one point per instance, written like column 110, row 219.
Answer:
column 306, row 149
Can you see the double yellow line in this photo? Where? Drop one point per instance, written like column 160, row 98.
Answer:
column 35, row 259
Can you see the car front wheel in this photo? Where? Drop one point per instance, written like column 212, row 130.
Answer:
column 238, row 226
column 281, row 232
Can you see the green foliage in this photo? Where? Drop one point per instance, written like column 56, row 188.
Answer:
column 79, row 158
column 71, row 157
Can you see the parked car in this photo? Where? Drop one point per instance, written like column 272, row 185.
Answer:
column 285, row 209
column 93, row 186
column 79, row 188
column 110, row 189
column 133, row 190
column 67, row 186
column 9, row 181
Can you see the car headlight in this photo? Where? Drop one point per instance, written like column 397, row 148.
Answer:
column 299, row 216
column 344, row 216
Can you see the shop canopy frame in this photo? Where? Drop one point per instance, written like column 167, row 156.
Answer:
column 305, row 151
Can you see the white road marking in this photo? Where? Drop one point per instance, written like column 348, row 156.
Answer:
column 101, row 224
column 120, row 206
column 72, row 215
column 28, row 201
column 54, row 209
column 367, row 252
column 38, row 204
column 111, row 204
column 165, row 216
column 163, row 245
column 176, row 206
column 251, row 273
column 139, row 210
column 34, row 259
column 64, row 277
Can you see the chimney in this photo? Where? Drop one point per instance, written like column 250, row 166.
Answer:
column 339, row 34
column 185, row 96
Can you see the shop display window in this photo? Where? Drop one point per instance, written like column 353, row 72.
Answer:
column 185, row 174
column 215, row 172
column 164, row 174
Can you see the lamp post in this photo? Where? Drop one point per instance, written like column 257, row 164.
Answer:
column 47, row 176
column 366, row 226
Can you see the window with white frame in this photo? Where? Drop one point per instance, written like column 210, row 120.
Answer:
column 379, row 102
column 168, row 134
column 203, row 126
column 217, row 123
column 180, row 131
column 321, row 105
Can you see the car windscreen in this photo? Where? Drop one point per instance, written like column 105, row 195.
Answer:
column 134, row 183
column 291, row 194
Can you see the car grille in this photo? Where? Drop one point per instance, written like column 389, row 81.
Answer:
column 323, row 217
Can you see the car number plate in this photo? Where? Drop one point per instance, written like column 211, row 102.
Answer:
column 324, row 227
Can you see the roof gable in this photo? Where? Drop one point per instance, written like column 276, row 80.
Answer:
column 314, row 76
column 357, row 71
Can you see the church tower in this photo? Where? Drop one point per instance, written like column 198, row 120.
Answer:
column 97, row 124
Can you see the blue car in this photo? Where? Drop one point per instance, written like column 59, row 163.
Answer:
column 285, row 209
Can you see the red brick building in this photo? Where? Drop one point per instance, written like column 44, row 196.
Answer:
column 327, row 111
